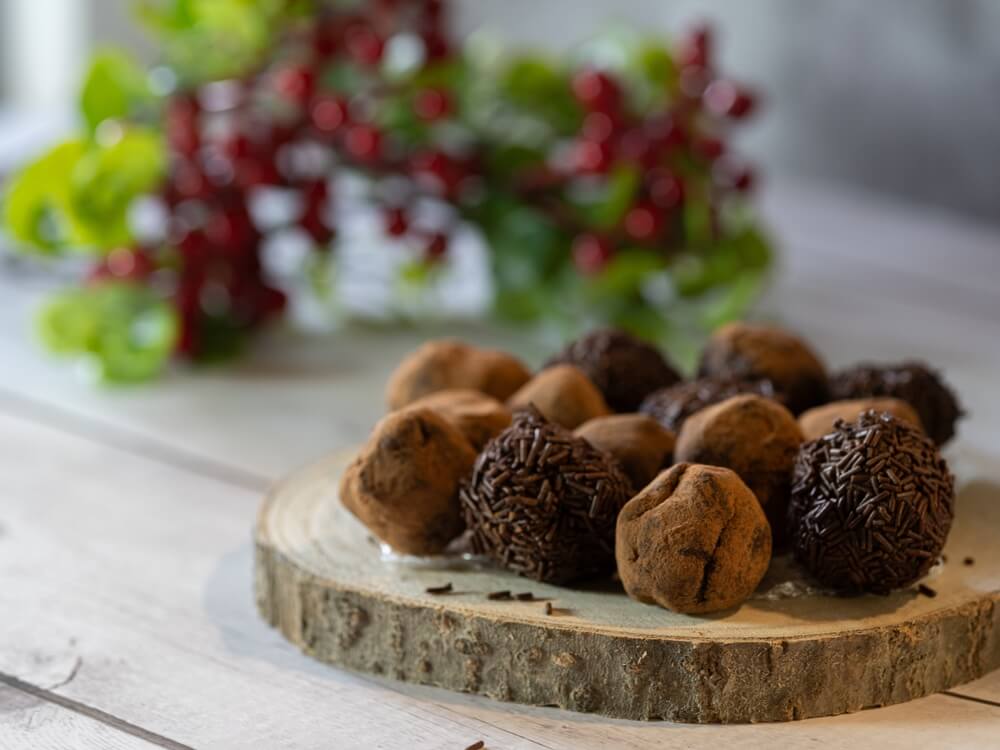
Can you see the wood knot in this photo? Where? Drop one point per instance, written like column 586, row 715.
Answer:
column 564, row 660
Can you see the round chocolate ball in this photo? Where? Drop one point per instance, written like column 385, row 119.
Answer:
column 819, row 420
column 694, row 540
column 872, row 504
column 624, row 368
column 563, row 394
column 913, row 382
column 754, row 436
column 640, row 444
column 671, row 406
column 745, row 351
column 543, row 503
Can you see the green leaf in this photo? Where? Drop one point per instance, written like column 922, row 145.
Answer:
column 38, row 204
column 537, row 86
column 615, row 199
column 107, row 179
column 112, row 89
column 124, row 331
column 624, row 275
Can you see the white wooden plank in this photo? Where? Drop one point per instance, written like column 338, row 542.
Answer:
column 134, row 578
column 985, row 688
column 29, row 723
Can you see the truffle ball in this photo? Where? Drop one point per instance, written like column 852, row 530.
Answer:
column 624, row 368
column 694, row 540
column 563, row 394
column 403, row 485
column 745, row 351
column 754, row 436
column 872, row 504
column 543, row 503
column 818, row 421
column 477, row 416
column 447, row 363
column 913, row 382
column 671, row 406
column 637, row 441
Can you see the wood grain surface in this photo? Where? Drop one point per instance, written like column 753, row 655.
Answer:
column 125, row 553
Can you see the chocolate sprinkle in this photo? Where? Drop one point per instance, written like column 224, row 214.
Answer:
column 445, row 589
column 548, row 608
column 477, row 745
column 624, row 368
column 671, row 406
column 499, row 596
column 913, row 382
column 543, row 503
column 527, row 596
column 968, row 561
column 926, row 591
column 872, row 504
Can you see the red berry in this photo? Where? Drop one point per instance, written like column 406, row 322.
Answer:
column 665, row 132
column 591, row 157
column 396, row 224
column 251, row 173
column 437, row 246
column 666, row 189
column 438, row 170
column 182, row 126
column 295, row 83
column 436, row 47
column 271, row 301
column 709, row 148
column 599, row 126
column 596, row 91
column 733, row 174
column 364, row 142
column 725, row 98
column 314, row 222
column 643, row 223
column 230, row 230
column 693, row 80
column 329, row 113
column 638, row 148
column 128, row 263
column 696, row 48
column 364, row 45
column 432, row 104
column 188, row 180
column 591, row 253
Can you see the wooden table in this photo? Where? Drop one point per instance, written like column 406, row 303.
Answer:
column 126, row 611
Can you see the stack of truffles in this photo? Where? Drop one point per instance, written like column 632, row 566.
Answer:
column 607, row 459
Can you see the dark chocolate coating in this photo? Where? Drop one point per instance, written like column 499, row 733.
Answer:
column 913, row 382
column 872, row 504
column 543, row 503
column 671, row 406
column 624, row 368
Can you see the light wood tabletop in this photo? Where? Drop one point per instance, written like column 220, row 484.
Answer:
column 126, row 607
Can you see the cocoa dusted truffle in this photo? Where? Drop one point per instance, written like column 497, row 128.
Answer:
column 446, row 363
column 816, row 422
column 639, row 443
column 671, row 406
column 694, row 540
column 744, row 351
column 754, row 436
column 913, row 382
column 403, row 484
column 624, row 368
column 543, row 503
column 872, row 504
column 477, row 416
column 563, row 394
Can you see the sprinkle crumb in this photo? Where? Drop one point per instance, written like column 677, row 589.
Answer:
column 968, row 561
column 548, row 608
column 477, row 745
column 926, row 590
column 445, row 589
column 499, row 596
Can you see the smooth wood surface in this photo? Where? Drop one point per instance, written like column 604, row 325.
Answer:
column 124, row 538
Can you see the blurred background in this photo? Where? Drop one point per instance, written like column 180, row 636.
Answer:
column 898, row 96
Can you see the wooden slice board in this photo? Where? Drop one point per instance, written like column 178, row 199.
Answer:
column 787, row 653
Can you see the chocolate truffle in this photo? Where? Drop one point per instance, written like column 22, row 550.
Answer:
column 477, row 416
column 624, row 368
column 913, row 382
column 754, row 436
column 403, row 485
column 543, row 503
column 563, row 394
column 447, row 363
column 637, row 441
column 694, row 540
column 818, row 421
column 744, row 351
column 671, row 406
column 872, row 504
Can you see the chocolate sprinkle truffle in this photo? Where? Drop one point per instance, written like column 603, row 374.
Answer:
column 624, row 368
column 912, row 382
column 543, row 503
column 671, row 406
column 872, row 504
column 745, row 351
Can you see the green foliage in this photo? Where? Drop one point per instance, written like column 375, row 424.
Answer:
column 541, row 89
column 114, row 88
column 613, row 200
column 123, row 331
